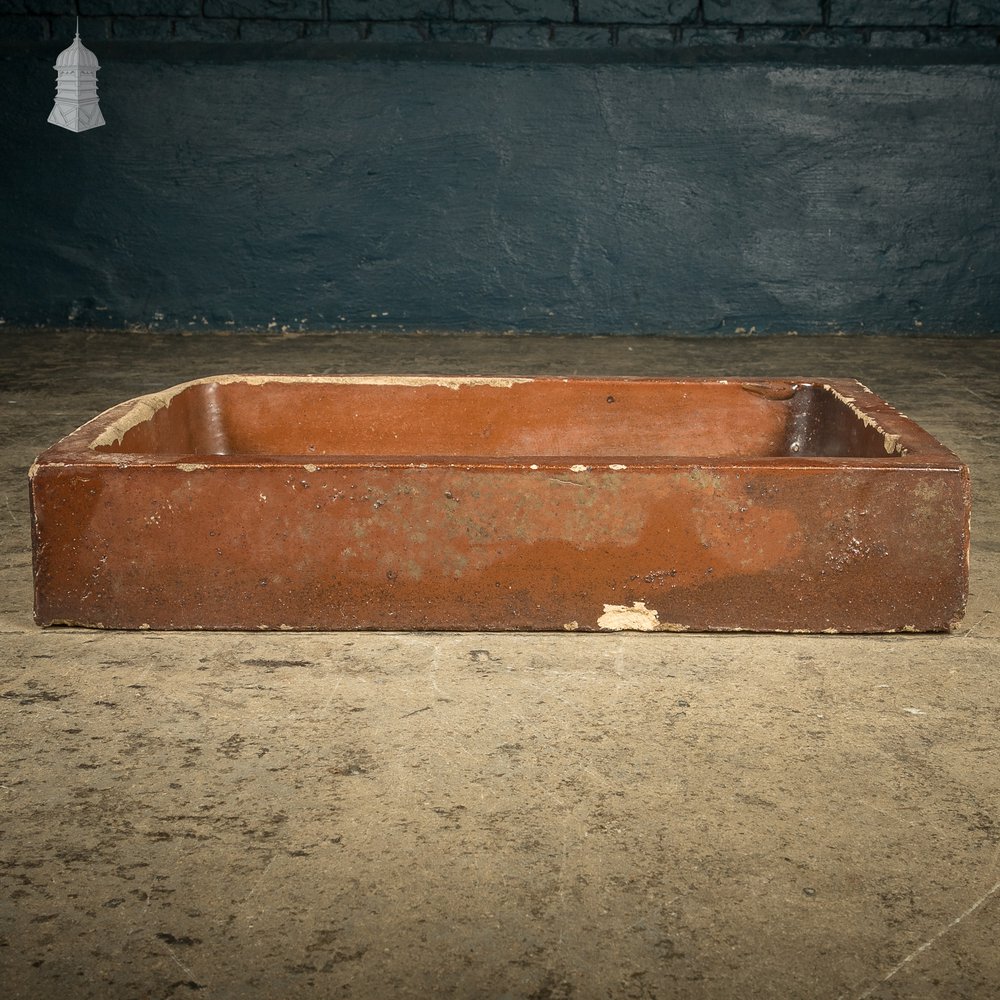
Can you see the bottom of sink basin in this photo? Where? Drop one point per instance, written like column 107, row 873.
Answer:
column 380, row 502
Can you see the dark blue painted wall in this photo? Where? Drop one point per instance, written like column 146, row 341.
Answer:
column 809, row 177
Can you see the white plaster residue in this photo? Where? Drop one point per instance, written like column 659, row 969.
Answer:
column 143, row 409
column 311, row 468
column 416, row 381
column 579, row 468
column 892, row 445
column 571, row 626
column 191, row 466
column 890, row 441
column 533, row 466
column 618, row 468
column 638, row 617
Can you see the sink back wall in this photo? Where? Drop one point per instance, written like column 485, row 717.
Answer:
column 589, row 167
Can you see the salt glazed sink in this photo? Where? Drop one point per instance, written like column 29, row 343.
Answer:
column 281, row 502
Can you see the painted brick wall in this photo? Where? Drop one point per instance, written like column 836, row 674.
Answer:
column 716, row 167
column 519, row 24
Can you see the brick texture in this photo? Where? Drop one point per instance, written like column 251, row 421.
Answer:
column 898, row 38
column 522, row 36
column 270, row 30
column 38, row 7
column 142, row 28
column 639, row 37
column 562, row 25
column 91, row 28
column 977, row 12
column 883, row 13
column 648, row 12
column 763, row 12
column 386, row 10
column 459, row 33
column 512, row 10
column 710, row 36
column 341, row 32
column 581, row 36
column 809, row 36
column 24, row 29
column 139, row 8
column 300, row 9
column 403, row 33
column 981, row 38
column 206, row 29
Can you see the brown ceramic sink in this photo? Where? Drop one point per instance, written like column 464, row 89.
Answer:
column 279, row 502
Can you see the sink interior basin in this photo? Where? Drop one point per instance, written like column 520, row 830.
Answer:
column 507, row 419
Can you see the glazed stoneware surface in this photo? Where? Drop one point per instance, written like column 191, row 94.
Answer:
column 495, row 503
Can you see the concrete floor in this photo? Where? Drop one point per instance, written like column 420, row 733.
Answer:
column 483, row 815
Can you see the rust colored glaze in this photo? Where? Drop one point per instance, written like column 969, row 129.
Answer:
column 379, row 502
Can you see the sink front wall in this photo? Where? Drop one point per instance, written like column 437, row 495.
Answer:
column 330, row 546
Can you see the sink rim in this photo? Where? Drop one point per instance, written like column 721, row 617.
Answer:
column 92, row 442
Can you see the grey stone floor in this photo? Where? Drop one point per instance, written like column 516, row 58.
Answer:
column 456, row 815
